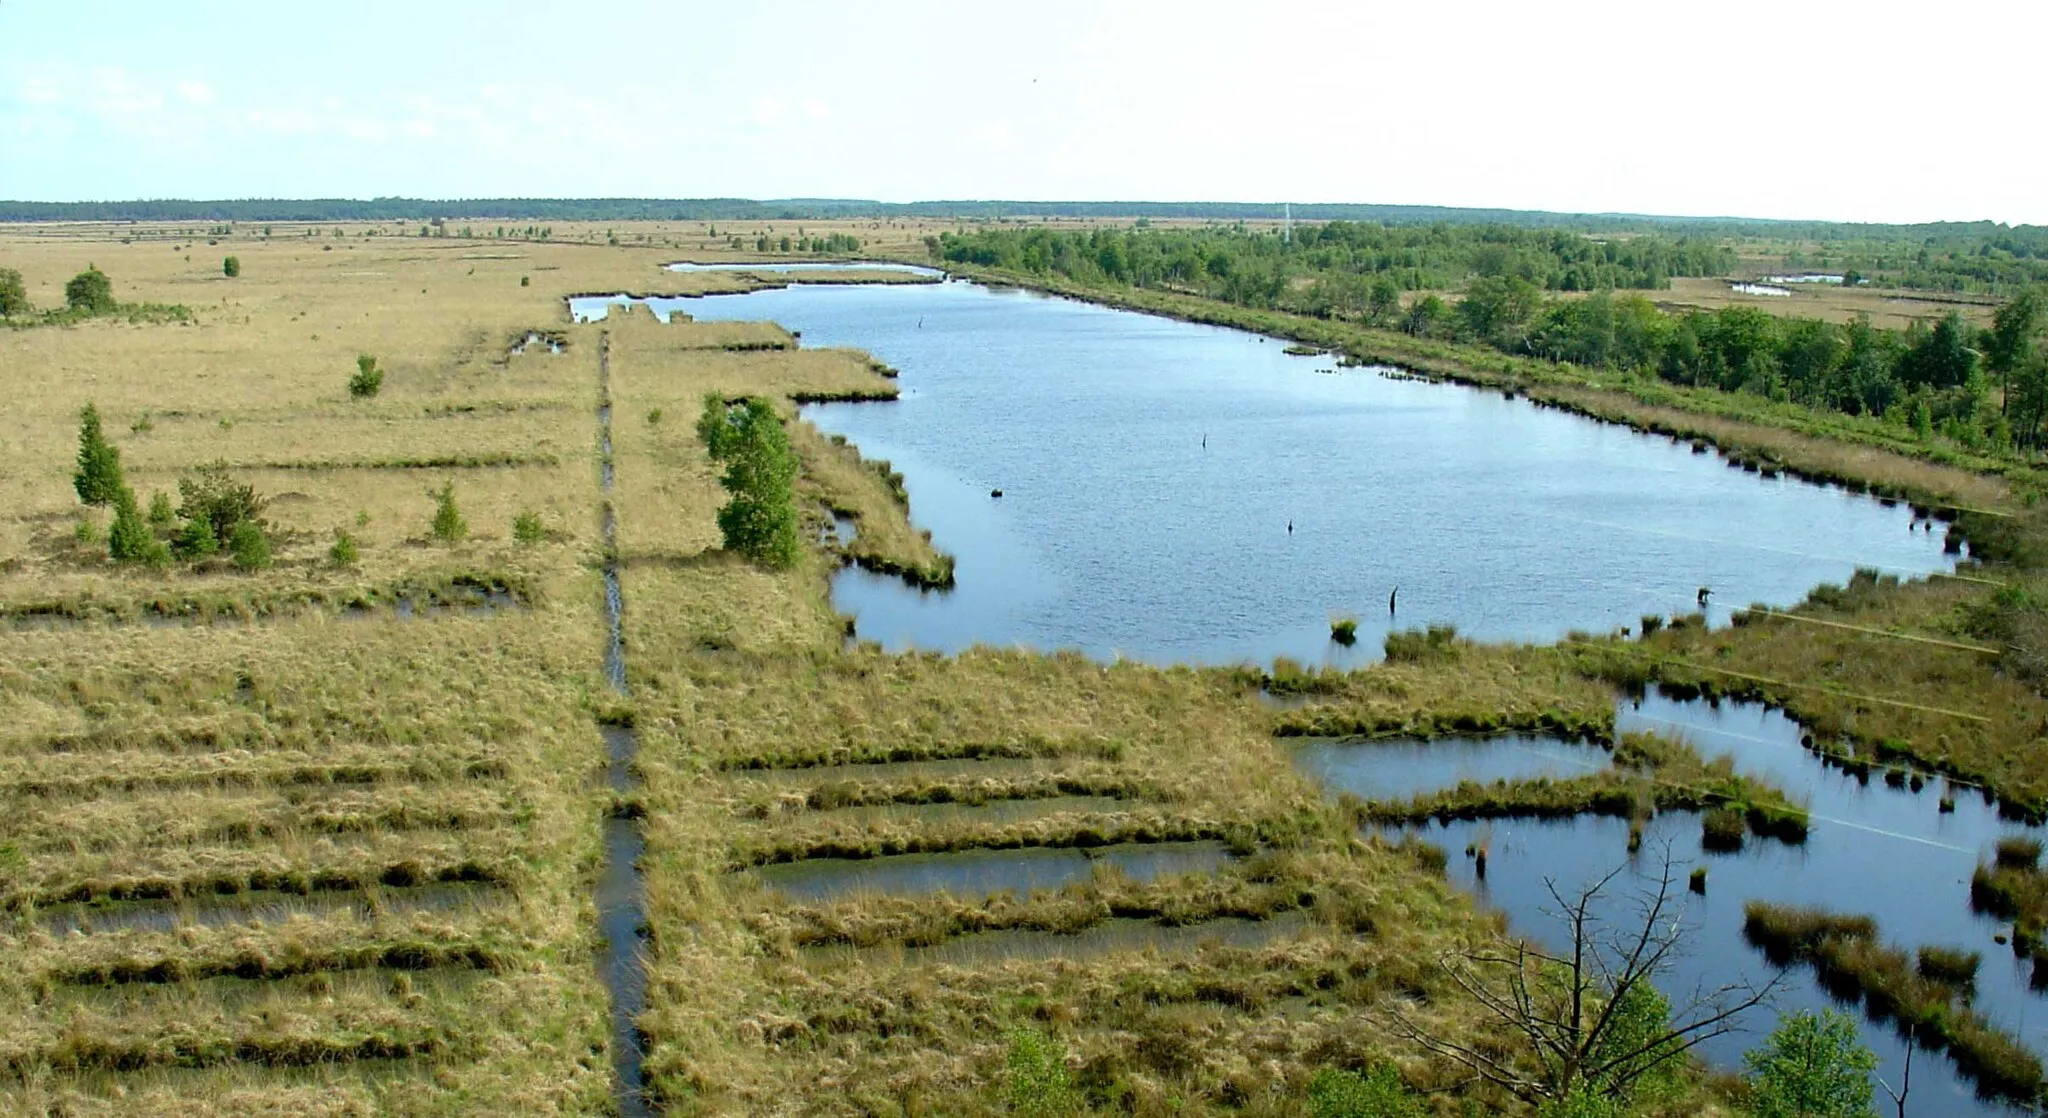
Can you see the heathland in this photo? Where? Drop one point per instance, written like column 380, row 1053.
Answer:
column 319, row 829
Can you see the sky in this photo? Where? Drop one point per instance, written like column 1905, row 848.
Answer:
column 1851, row 111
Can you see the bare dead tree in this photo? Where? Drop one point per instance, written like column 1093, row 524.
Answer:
column 1577, row 1014
column 1905, row 1076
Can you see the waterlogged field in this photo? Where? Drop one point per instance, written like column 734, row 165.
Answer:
column 590, row 816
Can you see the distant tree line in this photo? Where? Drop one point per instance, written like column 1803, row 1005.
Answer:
column 1553, row 295
column 1336, row 260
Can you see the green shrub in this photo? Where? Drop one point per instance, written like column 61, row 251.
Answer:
column 160, row 512
column 1812, row 1066
column 1346, row 1094
column 368, row 378
column 654, row 417
column 250, row 546
column 129, row 539
column 87, row 531
column 13, row 294
column 98, row 477
column 526, row 281
column 231, row 267
column 527, row 528
column 90, row 292
column 1035, row 1077
column 216, row 499
column 1344, row 631
column 194, row 541
column 343, row 553
column 448, row 526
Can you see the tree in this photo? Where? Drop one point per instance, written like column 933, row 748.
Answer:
column 1589, row 1020
column 1811, row 1066
column 13, row 294
column 129, row 539
column 249, row 546
column 1938, row 358
column 98, row 479
column 231, row 267
column 212, row 502
column 449, row 526
column 1382, row 299
column 1035, row 1080
column 368, row 378
column 2009, row 342
column 90, row 291
column 759, row 521
column 1425, row 317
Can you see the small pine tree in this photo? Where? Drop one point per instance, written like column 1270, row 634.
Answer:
column 195, row 541
column 527, row 528
column 98, row 480
column 218, row 501
column 250, row 547
column 368, row 378
column 344, row 552
column 231, row 267
column 449, row 527
column 90, row 291
column 526, row 281
column 129, row 539
column 160, row 513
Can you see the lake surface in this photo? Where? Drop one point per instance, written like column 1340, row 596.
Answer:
column 1875, row 849
column 806, row 266
column 1152, row 470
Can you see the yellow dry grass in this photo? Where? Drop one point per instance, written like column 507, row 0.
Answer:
column 1894, row 310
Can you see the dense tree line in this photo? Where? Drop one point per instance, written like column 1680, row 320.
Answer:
column 1329, row 269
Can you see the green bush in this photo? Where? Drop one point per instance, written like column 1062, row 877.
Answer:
column 448, row 526
column 87, row 532
column 90, row 292
column 13, row 294
column 527, row 528
column 98, row 478
column 214, row 498
column 1417, row 646
column 194, row 541
column 1346, row 1094
column 251, row 548
column 160, row 512
column 343, row 553
column 1812, row 1066
column 368, row 378
column 231, row 267
column 129, row 539
column 1344, row 631
column 1036, row 1081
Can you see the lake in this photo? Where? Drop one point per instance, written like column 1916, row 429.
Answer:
column 1183, row 493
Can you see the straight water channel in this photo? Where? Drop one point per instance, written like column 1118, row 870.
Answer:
column 1875, row 849
column 1183, row 493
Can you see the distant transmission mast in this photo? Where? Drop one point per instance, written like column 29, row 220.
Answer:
column 1287, row 223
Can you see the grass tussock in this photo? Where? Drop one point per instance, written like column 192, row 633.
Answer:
column 1928, row 1002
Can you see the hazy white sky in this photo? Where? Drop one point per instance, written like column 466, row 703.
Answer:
column 1788, row 108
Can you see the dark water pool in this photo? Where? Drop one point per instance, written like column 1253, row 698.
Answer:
column 979, row 873
column 1184, row 493
column 1873, row 848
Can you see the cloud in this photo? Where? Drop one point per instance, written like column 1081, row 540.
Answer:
column 195, row 93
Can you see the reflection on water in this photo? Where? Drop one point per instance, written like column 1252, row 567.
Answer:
column 1185, row 493
column 981, row 873
column 1873, row 848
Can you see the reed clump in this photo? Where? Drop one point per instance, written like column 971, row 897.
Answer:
column 1930, row 1006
